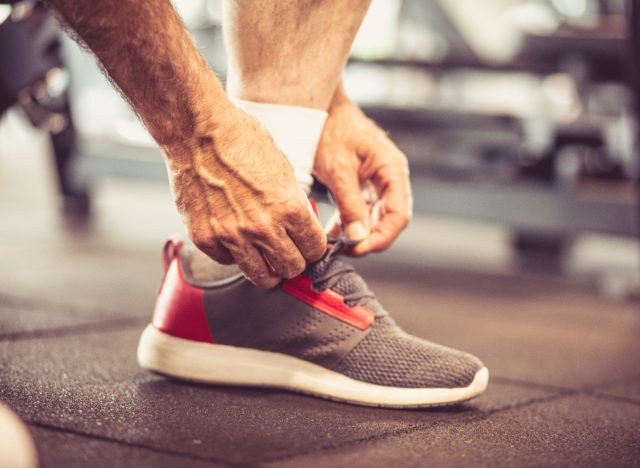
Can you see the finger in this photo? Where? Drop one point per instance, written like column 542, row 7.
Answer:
column 206, row 241
column 382, row 235
column 308, row 236
column 255, row 268
column 395, row 216
column 351, row 203
column 217, row 252
column 284, row 257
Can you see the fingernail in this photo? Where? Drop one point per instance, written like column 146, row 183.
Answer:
column 356, row 231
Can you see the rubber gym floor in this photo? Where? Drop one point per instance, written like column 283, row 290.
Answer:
column 564, row 391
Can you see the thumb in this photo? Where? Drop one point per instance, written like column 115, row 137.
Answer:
column 353, row 208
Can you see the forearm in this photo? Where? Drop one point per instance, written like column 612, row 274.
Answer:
column 146, row 51
column 234, row 189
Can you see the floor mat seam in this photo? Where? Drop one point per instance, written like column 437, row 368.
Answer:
column 57, row 332
column 418, row 427
column 152, row 448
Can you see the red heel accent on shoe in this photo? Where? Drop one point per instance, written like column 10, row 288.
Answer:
column 179, row 308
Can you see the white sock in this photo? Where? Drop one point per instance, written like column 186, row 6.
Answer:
column 295, row 130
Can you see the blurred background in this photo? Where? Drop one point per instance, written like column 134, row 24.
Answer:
column 519, row 118
column 520, row 121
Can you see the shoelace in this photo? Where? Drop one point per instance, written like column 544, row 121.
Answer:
column 333, row 274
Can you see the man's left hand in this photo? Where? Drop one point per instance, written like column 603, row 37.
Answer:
column 354, row 153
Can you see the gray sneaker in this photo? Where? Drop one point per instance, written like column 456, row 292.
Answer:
column 322, row 333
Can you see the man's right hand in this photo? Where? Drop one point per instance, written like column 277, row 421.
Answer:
column 235, row 190
column 241, row 203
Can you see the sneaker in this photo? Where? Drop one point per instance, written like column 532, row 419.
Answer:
column 322, row 333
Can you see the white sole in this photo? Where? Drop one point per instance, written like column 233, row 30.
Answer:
column 230, row 365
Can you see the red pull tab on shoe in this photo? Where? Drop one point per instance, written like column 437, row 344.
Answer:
column 329, row 302
column 312, row 202
column 170, row 249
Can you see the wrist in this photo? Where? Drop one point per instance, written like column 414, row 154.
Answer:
column 212, row 118
column 339, row 97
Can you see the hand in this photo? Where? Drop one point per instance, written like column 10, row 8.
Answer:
column 241, row 203
column 236, row 192
column 354, row 153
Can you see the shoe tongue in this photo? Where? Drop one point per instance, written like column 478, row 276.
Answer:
column 332, row 271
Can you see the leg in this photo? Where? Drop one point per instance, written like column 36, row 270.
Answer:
column 289, row 52
column 285, row 61
column 325, row 332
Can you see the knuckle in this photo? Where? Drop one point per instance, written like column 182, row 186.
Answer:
column 292, row 217
column 404, row 219
column 257, row 275
column 295, row 213
column 223, row 256
column 264, row 281
column 226, row 235
column 295, row 268
column 203, row 242
column 256, row 280
column 272, row 283
column 249, row 273
column 315, row 251
column 215, row 255
column 400, row 162
column 214, row 251
column 402, row 158
column 261, row 229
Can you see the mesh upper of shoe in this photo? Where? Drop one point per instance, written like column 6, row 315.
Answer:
column 387, row 355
